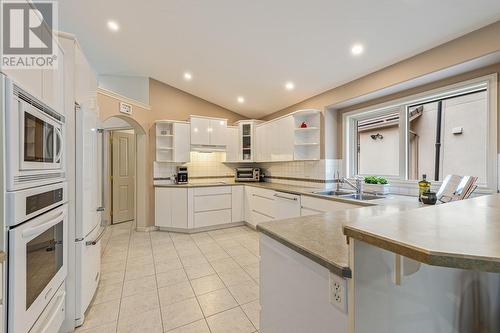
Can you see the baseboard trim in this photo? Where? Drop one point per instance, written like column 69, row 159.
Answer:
column 202, row 229
column 146, row 229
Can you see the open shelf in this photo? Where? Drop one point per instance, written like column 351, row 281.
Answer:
column 306, row 139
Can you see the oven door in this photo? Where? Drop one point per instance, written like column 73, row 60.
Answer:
column 37, row 266
column 41, row 141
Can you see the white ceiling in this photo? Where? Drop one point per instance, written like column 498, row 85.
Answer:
column 251, row 48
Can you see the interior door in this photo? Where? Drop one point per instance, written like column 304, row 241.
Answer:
column 123, row 172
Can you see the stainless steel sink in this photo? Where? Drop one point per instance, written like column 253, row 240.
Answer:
column 334, row 192
column 362, row 196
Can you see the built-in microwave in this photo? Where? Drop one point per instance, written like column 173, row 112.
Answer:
column 34, row 136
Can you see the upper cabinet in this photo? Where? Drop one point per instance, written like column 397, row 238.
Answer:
column 172, row 141
column 275, row 140
column 233, row 148
column 208, row 131
column 47, row 85
column 85, row 81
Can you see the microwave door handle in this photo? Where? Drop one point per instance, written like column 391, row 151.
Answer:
column 60, row 139
column 40, row 228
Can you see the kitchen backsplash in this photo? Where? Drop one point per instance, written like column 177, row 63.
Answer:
column 201, row 165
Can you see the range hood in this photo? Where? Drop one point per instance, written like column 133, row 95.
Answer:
column 208, row 148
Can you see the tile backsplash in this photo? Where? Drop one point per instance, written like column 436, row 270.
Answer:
column 201, row 165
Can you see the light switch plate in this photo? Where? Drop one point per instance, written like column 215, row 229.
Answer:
column 338, row 292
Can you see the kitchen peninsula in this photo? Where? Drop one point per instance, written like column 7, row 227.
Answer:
column 401, row 269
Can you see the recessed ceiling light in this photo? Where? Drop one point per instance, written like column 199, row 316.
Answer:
column 357, row 49
column 188, row 76
column 241, row 99
column 113, row 25
column 289, row 86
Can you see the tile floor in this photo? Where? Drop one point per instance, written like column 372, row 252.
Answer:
column 177, row 283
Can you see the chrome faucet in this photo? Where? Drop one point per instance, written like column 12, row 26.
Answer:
column 357, row 186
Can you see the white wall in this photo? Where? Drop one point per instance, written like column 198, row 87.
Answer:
column 379, row 157
column 134, row 87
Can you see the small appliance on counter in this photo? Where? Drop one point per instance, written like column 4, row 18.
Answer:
column 182, row 175
column 247, row 174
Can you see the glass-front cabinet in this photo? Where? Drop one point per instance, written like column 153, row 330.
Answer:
column 247, row 140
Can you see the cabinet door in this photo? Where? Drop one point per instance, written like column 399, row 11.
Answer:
column 179, row 207
column 287, row 205
column 163, row 207
column 237, row 204
column 182, row 145
column 285, row 128
column 28, row 79
column 218, row 132
column 232, row 144
column 200, row 131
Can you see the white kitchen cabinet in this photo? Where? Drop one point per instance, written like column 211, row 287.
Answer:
column 85, row 81
column 259, row 205
column 172, row 141
column 212, row 206
column 282, row 139
column 237, row 204
column 232, row 140
column 171, row 207
column 315, row 206
column 208, row 131
column 286, row 205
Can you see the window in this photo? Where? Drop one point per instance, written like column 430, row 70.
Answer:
column 446, row 131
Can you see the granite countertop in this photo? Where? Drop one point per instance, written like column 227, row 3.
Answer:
column 320, row 238
column 463, row 234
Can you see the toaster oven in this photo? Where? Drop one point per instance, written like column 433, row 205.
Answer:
column 247, row 174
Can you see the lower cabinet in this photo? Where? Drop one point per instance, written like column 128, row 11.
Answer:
column 264, row 205
column 171, row 207
column 315, row 206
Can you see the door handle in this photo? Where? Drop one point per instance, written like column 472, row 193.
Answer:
column 36, row 230
column 60, row 138
column 98, row 238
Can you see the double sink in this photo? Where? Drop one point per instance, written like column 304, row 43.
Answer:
column 350, row 195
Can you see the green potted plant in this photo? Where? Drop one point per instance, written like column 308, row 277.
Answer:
column 376, row 184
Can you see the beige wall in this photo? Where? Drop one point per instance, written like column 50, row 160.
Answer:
column 468, row 47
column 171, row 103
column 166, row 103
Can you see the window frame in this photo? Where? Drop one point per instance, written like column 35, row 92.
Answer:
column 350, row 119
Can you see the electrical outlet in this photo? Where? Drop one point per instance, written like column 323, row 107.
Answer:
column 338, row 292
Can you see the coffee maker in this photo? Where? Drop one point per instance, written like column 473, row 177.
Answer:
column 182, row 175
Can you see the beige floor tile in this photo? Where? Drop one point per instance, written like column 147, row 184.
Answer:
column 216, row 301
column 234, row 277
column 223, row 265
column 215, row 254
column 141, row 252
column 139, row 286
column 107, row 328
column 171, row 277
column 198, row 271
column 108, row 292
column 245, row 292
column 247, row 259
column 139, row 271
column 199, row 326
column 168, row 265
column 101, row 314
column 253, row 270
column 231, row 321
column 175, row 293
column 149, row 321
column 138, row 261
column 136, row 304
column 181, row 314
column 238, row 251
column 252, row 311
column 113, row 267
column 194, row 260
column 207, row 284
column 112, row 278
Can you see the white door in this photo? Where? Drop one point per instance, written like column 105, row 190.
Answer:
column 123, row 176
column 200, row 131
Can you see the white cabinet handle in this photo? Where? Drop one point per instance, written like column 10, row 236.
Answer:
column 283, row 197
column 263, row 197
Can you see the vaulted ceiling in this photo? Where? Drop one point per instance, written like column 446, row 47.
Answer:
column 251, row 49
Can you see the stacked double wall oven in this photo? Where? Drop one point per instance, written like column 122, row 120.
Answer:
column 36, row 212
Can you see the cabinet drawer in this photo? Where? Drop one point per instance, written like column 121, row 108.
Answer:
column 215, row 217
column 212, row 202
column 212, row 190
column 263, row 205
column 259, row 217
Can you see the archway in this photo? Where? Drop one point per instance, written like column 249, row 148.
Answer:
column 141, row 152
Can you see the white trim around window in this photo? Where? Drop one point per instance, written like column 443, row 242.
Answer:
column 350, row 119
